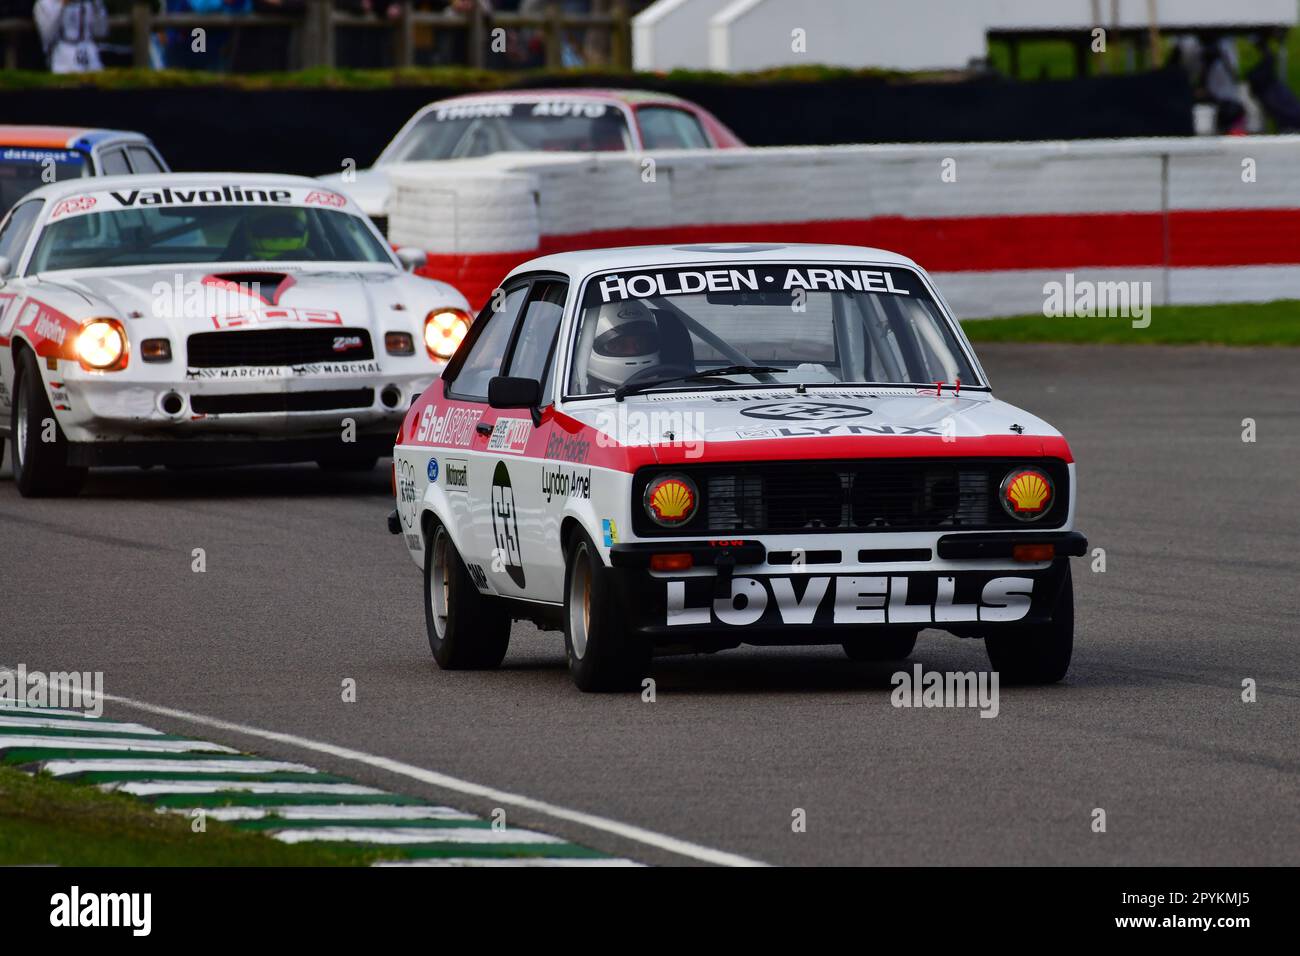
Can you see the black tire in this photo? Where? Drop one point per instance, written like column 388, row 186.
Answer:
column 882, row 644
column 359, row 463
column 468, row 630
column 41, row 468
column 603, row 654
column 1037, row 655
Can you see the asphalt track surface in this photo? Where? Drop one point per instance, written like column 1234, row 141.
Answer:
column 304, row 587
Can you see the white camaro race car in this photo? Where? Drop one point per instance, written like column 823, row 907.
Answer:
column 690, row 448
column 207, row 319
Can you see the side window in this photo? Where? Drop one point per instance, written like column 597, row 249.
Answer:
column 143, row 160
column 488, row 350
column 14, row 233
column 532, row 354
column 663, row 127
column 112, row 162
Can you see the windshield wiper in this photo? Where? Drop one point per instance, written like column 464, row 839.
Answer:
column 624, row 390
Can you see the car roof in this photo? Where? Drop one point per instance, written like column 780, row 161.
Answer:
column 160, row 180
column 588, row 261
column 608, row 94
column 62, row 137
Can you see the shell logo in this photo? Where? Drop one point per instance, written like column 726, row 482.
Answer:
column 1026, row 494
column 671, row 500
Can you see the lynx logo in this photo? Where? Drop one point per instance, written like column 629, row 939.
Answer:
column 505, row 523
column 344, row 343
column 132, row 910
column 457, row 472
column 849, row 599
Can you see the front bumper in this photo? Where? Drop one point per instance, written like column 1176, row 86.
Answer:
column 733, row 595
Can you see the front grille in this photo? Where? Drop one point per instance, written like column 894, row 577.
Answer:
column 282, row 402
column 867, row 495
column 264, row 347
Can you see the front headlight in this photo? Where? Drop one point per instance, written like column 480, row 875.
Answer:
column 1026, row 493
column 101, row 345
column 444, row 330
column 671, row 500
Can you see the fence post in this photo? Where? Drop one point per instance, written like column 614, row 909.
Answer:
column 140, row 16
column 405, row 52
column 554, row 54
column 476, row 37
column 318, row 34
column 620, row 37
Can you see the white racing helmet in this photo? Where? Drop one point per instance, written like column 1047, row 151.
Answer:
column 626, row 341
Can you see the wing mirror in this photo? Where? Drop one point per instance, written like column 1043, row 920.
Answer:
column 411, row 258
column 506, row 391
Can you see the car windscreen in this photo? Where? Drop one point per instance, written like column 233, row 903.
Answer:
column 23, row 169
column 829, row 324
column 210, row 233
column 479, row 129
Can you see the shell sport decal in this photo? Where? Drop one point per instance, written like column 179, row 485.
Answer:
column 505, row 526
column 671, row 500
column 1026, row 493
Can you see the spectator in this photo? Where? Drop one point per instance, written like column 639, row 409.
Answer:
column 69, row 29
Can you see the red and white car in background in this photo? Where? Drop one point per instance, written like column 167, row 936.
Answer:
column 563, row 120
column 689, row 448
column 207, row 318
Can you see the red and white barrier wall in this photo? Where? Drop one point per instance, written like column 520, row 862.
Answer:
column 1203, row 220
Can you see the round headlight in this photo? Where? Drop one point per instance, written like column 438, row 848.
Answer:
column 1026, row 493
column 443, row 332
column 101, row 344
column 671, row 500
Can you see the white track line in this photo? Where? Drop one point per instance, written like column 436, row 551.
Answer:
column 627, row 831
column 61, row 768
column 401, row 835
column 342, row 811
column 149, row 788
column 63, row 723
column 24, row 742
column 539, row 861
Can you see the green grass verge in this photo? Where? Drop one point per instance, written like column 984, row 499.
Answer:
column 452, row 77
column 44, row 820
column 1238, row 324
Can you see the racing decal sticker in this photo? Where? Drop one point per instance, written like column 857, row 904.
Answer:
column 510, row 436
column 477, row 575
column 610, row 531
column 237, row 320
column 570, row 108
column 284, row 371
column 565, row 483
column 407, row 499
column 473, row 111
column 763, row 284
column 805, row 411
column 432, row 471
column 454, row 427
column 346, row 343
column 324, row 198
column 51, row 333
column 564, row 447
column 456, row 471
column 71, row 205
column 851, row 599
column 505, row 526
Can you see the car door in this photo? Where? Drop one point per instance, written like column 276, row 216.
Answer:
column 540, row 487
column 486, row 523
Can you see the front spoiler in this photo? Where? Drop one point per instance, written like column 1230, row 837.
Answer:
column 220, row 452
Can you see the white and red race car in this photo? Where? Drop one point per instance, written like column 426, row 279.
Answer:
column 689, row 448
column 207, row 318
